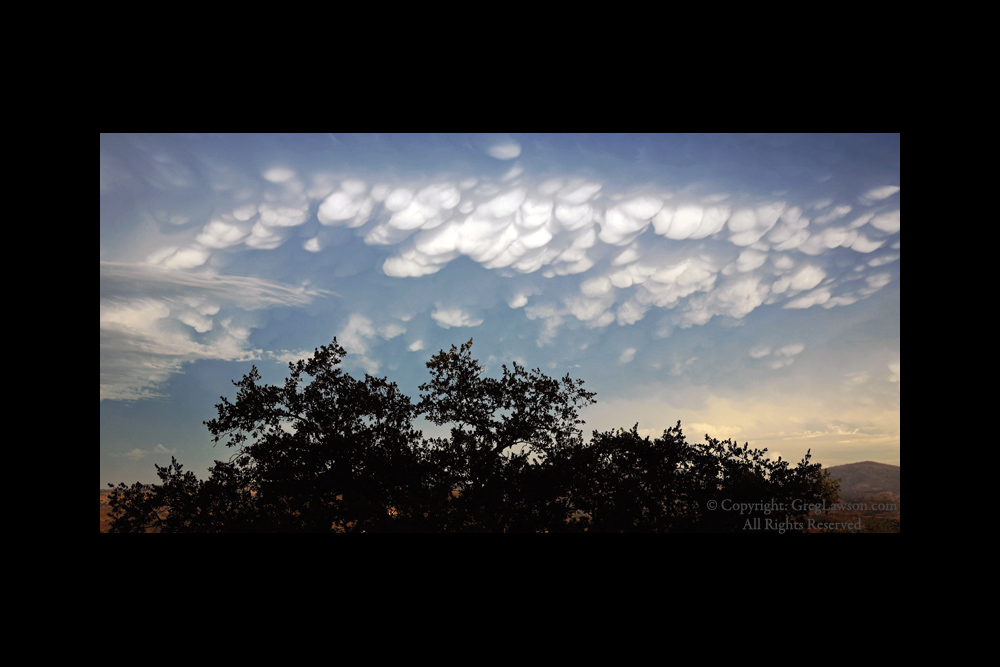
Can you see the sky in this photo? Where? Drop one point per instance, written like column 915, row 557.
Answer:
column 745, row 285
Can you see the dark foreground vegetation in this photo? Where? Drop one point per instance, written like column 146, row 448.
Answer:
column 325, row 452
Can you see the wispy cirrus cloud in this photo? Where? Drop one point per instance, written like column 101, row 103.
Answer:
column 154, row 320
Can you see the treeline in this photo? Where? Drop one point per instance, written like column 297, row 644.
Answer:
column 325, row 452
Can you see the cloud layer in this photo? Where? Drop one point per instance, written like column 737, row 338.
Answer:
column 581, row 249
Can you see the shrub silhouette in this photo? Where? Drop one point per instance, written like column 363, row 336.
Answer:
column 324, row 452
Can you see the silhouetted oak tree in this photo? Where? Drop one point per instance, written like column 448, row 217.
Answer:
column 623, row 482
column 320, row 452
column 504, row 430
column 326, row 452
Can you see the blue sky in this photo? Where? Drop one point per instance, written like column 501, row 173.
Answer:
column 746, row 285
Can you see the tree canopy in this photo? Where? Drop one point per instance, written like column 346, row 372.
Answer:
column 325, row 452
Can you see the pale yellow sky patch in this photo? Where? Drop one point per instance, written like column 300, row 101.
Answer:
column 838, row 429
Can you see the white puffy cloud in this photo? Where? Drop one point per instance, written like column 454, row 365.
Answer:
column 631, row 311
column 879, row 193
column 454, row 317
column 263, row 237
column 674, row 279
column 876, row 282
column 593, row 310
column 290, row 356
column 863, row 244
column 578, row 191
column 355, row 337
column 551, row 317
column 504, row 204
column 835, row 213
column 503, row 148
column 620, row 227
column 424, row 209
column 807, row 277
column 199, row 316
column 683, row 223
column 886, row 222
column 733, row 298
column 625, row 220
column 278, row 174
column 391, row 330
column 574, row 216
column 222, row 234
column 280, row 215
column 642, row 207
column 748, row 225
column 413, row 263
column 713, row 219
column 749, row 260
column 349, row 205
column 792, row 349
column 814, row 298
column 358, row 335
column 596, row 286
column 788, row 236
column 518, row 300
column 180, row 258
column 690, row 221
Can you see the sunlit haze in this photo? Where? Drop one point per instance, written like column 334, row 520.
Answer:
column 745, row 285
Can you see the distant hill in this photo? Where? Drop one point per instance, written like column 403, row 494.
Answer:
column 866, row 478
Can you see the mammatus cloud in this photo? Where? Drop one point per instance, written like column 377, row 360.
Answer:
column 154, row 320
column 700, row 258
column 879, row 193
column 502, row 147
column 688, row 255
column 455, row 317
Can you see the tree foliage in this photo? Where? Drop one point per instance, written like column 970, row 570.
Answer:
column 326, row 452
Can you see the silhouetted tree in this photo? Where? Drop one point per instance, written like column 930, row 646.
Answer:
column 326, row 452
column 503, row 432
column 168, row 507
column 623, row 482
column 322, row 451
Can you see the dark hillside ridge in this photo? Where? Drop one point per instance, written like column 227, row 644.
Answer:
column 866, row 478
